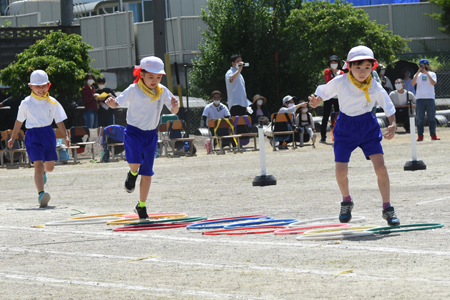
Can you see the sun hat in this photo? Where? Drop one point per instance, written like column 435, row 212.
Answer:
column 288, row 98
column 424, row 61
column 258, row 96
column 38, row 77
column 333, row 57
column 360, row 53
column 152, row 64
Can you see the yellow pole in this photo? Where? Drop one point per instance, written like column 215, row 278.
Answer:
column 168, row 71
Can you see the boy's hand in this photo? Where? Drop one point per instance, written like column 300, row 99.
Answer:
column 314, row 101
column 111, row 102
column 390, row 132
column 11, row 143
column 174, row 102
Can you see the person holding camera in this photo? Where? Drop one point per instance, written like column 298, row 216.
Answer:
column 237, row 96
column 425, row 99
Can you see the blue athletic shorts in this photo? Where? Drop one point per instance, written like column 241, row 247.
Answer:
column 140, row 147
column 360, row 131
column 41, row 144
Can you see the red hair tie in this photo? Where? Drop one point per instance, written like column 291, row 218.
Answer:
column 137, row 74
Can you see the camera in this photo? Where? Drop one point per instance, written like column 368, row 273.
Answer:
column 422, row 66
column 244, row 64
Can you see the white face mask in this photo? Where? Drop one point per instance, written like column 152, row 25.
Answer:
column 304, row 110
column 101, row 86
column 291, row 104
column 334, row 66
column 90, row 81
column 216, row 102
column 259, row 102
column 398, row 86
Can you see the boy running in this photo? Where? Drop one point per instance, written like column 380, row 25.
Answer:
column 146, row 98
column 356, row 126
column 40, row 109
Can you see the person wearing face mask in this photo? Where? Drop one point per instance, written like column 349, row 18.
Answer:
column 259, row 110
column 215, row 110
column 306, row 122
column 408, row 80
column 236, row 94
column 385, row 81
column 90, row 100
column 329, row 74
column 425, row 80
column 105, row 113
column 401, row 97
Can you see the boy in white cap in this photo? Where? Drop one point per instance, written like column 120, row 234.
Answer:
column 356, row 126
column 146, row 97
column 39, row 110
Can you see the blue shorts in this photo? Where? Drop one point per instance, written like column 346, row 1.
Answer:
column 41, row 144
column 360, row 131
column 140, row 147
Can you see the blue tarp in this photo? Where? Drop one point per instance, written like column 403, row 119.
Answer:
column 374, row 2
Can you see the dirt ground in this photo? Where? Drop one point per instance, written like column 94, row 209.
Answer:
column 94, row 262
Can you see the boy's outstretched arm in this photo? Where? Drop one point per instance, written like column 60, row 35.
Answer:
column 391, row 128
column 16, row 129
column 175, row 107
column 63, row 130
column 111, row 102
column 314, row 101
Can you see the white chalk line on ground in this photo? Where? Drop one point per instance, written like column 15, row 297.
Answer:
column 48, row 280
column 435, row 200
column 217, row 241
column 222, row 266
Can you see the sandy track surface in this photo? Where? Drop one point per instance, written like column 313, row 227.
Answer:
column 93, row 262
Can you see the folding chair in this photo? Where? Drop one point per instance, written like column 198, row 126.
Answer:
column 282, row 128
column 77, row 133
column 74, row 149
column 243, row 127
column 174, row 129
column 222, row 131
column 113, row 137
column 22, row 157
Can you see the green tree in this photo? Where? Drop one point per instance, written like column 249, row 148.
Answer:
column 444, row 17
column 247, row 27
column 321, row 29
column 301, row 36
column 63, row 57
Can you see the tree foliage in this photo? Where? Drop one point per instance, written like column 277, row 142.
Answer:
column 302, row 35
column 444, row 17
column 63, row 57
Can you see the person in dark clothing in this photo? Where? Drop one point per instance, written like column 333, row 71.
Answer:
column 105, row 113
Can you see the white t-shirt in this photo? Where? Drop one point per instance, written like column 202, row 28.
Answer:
column 352, row 100
column 212, row 112
column 425, row 90
column 142, row 112
column 236, row 90
column 400, row 99
column 40, row 113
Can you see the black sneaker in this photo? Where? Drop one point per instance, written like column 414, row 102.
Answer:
column 323, row 140
column 130, row 183
column 346, row 211
column 142, row 212
column 390, row 216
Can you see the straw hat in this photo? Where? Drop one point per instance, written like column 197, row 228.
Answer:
column 257, row 97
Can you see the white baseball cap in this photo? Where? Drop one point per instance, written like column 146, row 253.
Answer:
column 152, row 64
column 38, row 77
column 288, row 98
column 360, row 53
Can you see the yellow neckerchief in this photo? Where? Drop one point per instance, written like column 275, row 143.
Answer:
column 148, row 91
column 364, row 86
column 45, row 97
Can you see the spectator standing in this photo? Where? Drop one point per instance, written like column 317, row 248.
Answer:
column 105, row 113
column 329, row 74
column 215, row 110
column 401, row 97
column 90, row 101
column 237, row 96
column 425, row 99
